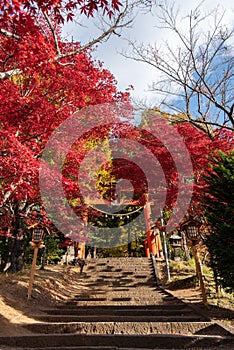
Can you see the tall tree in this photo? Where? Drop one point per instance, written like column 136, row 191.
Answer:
column 39, row 90
column 196, row 67
column 200, row 148
column 219, row 212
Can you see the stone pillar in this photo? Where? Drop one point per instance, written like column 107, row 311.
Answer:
column 147, row 215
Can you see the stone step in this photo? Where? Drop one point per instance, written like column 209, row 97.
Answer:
column 121, row 260
column 121, row 282
column 151, row 341
column 184, row 328
column 120, row 274
column 123, row 275
column 111, row 302
column 141, row 293
column 117, row 267
column 119, row 318
column 107, row 284
column 112, row 348
column 112, row 296
column 145, row 300
column 121, row 271
column 131, row 263
column 136, row 311
column 118, row 282
column 148, row 292
column 73, row 307
column 96, row 309
column 114, row 276
column 121, row 266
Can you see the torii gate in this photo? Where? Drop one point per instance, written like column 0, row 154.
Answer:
column 152, row 242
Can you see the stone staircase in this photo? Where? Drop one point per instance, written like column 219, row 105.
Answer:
column 122, row 308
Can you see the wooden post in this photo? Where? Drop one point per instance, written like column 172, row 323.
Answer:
column 199, row 274
column 36, row 247
column 129, row 241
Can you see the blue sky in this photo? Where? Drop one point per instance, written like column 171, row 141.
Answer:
column 143, row 30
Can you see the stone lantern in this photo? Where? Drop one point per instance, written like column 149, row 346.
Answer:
column 175, row 241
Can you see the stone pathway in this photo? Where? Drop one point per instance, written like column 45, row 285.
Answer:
column 123, row 309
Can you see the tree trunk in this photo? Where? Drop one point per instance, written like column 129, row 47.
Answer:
column 16, row 253
column 184, row 246
column 43, row 260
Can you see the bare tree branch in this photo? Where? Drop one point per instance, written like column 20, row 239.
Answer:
column 111, row 30
column 199, row 72
column 10, row 73
column 9, row 34
column 53, row 31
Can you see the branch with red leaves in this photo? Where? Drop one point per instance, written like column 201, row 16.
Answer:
column 20, row 22
column 62, row 10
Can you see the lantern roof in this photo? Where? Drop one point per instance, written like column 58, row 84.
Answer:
column 39, row 224
column 175, row 236
column 191, row 221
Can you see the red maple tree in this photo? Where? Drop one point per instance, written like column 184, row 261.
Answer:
column 39, row 92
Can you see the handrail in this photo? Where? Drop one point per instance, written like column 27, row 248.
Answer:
column 155, row 267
